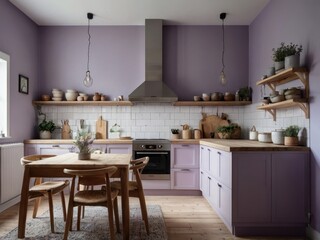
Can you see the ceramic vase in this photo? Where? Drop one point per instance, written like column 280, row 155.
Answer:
column 292, row 61
column 84, row 156
column 45, row 134
column 278, row 65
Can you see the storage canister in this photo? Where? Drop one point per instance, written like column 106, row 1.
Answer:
column 277, row 136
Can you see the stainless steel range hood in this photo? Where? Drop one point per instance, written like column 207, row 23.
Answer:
column 153, row 89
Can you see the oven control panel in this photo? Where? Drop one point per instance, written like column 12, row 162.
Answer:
column 151, row 146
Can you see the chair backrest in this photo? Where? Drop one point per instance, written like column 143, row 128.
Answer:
column 31, row 158
column 137, row 167
column 103, row 172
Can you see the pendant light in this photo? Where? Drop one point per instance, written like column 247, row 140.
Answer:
column 223, row 79
column 88, row 79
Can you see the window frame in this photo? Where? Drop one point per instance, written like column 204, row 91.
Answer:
column 6, row 91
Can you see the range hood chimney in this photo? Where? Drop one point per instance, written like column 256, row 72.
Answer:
column 153, row 89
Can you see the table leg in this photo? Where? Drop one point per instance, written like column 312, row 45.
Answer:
column 125, row 203
column 23, row 203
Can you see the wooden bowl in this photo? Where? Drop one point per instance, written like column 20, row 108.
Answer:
column 45, row 97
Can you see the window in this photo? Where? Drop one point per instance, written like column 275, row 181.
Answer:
column 4, row 94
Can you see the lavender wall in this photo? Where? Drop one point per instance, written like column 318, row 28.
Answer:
column 192, row 59
column 292, row 21
column 19, row 39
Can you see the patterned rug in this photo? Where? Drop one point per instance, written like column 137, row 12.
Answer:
column 94, row 225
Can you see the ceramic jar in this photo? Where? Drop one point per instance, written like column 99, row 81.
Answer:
column 264, row 137
column 253, row 134
column 277, row 136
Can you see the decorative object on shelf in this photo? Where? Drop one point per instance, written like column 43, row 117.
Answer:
column 229, row 96
column 88, row 79
column 66, row 130
column 277, row 136
column 96, row 97
column 197, row 133
column 245, row 94
column 271, row 71
column 23, row 84
column 45, row 97
column 223, row 79
column 264, row 137
column 71, row 95
column 115, row 131
column 205, row 97
column 224, row 132
column 217, row 96
column 291, row 135
column 292, row 58
column 196, row 98
column 83, row 142
column 186, row 131
column 46, row 128
column 175, row 133
column 253, row 134
column 278, row 56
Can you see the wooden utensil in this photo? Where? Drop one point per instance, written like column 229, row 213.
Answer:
column 101, row 128
column 208, row 124
column 66, row 130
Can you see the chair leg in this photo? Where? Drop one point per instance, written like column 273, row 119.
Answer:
column 51, row 211
column 116, row 214
column 111, row 224
column 68, row 222
column 36, row 206
column 144, row 212
column 79, row 218
column 63, row 206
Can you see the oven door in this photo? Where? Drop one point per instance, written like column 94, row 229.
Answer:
column 158, row 167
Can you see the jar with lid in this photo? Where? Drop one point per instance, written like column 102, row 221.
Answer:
column 237, row 97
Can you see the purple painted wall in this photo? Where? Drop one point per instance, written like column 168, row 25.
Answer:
column 192, row 59
column 19, row 39
column 298, row 22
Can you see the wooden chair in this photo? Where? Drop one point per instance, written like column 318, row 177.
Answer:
column 104, row 197
column 45, row 189
column 136, row 188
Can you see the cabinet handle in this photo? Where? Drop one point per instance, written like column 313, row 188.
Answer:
column 219, row 185
column 209, row 150
column 219, row 153
column 209, row 178
column 56, row 146
column 185, row 170
column 185, row 145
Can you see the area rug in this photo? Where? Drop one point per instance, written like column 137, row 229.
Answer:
column 94, row 225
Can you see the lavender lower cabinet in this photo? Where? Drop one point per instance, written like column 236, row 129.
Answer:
column 119, row 148
column 185, row 166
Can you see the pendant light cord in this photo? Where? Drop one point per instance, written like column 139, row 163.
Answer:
column 222, row 59
column 89, row 43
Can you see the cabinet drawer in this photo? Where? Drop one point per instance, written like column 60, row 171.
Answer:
column 221, row 166
column 185, row 179
column 185, row 156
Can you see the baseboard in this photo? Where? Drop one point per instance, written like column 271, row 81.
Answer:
column 9, row 203
column 313, row 234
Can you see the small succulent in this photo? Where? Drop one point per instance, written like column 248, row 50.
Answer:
column 174, row 131
column 47, row 126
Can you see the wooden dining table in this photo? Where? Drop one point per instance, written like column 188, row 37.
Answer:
column 53, row 168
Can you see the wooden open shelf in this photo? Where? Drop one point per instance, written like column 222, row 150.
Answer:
column 301, row 103
column 82, row 103
column 212, row 103
column 283, row 77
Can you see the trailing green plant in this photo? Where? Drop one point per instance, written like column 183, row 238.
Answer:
column 291, row 131
column 46, row 126
column 174, row 131
column 279, row 53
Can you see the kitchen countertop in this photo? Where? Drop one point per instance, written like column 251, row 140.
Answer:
column 71, row 141
column 247, row 145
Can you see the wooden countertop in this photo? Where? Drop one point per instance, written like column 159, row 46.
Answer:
column 71, row 141
column 247, row 145
column 184, row 141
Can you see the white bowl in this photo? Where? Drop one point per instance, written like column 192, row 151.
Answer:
column 57, row 98
column 82, row 94
column 57, row 94
column 264, row 137
column 71, row 90
column 71, row 96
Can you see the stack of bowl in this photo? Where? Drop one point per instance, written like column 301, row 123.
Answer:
column 82, row 97
column 71, row 95
column 57, row 94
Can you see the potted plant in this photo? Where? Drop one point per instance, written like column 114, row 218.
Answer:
column 224, row 132
column 292, row 58
column 46, row 128
column 175, row 133
column 291, row 135
column 278, row 56
column 245, row 94
column 84, row 142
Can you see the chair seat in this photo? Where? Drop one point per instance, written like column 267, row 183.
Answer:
column 131, row 186
column 92, row 197
column 49, row 186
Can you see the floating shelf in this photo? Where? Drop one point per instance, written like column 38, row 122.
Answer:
column 212, row 103
column 283, row 77
column 83, row 103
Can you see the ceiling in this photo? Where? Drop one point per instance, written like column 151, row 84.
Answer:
column 134, row 12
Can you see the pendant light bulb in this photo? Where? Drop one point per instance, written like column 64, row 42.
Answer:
column 223, row 79
column 88, row 80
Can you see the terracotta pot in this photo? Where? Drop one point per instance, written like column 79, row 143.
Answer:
column 224, row 135
column 84, row 156
column 175, row 136
column 291, row 141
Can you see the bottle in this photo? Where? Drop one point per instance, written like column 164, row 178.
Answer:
column 237, row 97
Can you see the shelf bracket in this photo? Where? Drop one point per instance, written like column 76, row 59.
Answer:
column 305, row 108
column 273, row 112
column 271, row 86
column 304, row 78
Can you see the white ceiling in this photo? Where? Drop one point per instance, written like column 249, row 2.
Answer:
column 134, row 12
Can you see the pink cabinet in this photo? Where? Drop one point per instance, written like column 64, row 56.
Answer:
column 185, row 166
column 119, row 148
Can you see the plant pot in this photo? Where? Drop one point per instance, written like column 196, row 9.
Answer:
column 292, row 61
column 175, row 136
column 224, row 135
column 45, row 134
column 84, row 156
column 278, row 65
column 291, row 141
column 186, row 134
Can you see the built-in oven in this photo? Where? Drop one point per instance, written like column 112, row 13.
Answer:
column 158, row 151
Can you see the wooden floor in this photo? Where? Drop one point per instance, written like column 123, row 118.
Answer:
column 186, row 218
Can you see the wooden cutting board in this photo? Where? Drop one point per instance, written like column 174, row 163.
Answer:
column 101, row 128
column 208, row 124
column 66, row 130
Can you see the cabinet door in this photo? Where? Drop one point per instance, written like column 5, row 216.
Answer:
column 251, row 187
column 205, row 184
column 185, row 179
column 290, row 187
column 119, row 148
column 55, row 149
column 221, row 166
column 205, row 158
column 184, row 156
column 30, row 149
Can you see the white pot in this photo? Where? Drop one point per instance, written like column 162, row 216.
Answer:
column 277, row 137
column 45, row 134
column 264, row 137
column 292, row 61
column 253, row 135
